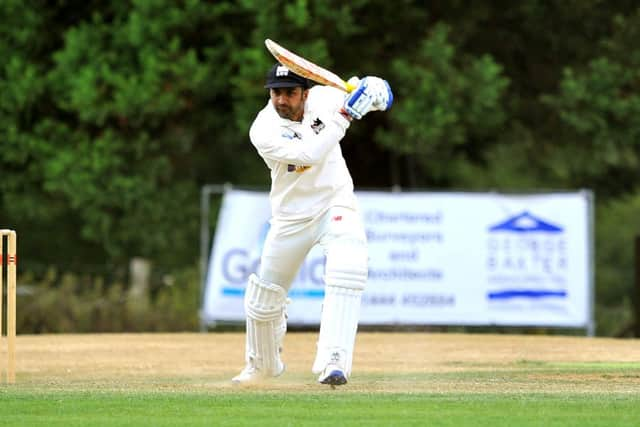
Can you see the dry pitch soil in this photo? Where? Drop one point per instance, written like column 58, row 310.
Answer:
column 384, row 362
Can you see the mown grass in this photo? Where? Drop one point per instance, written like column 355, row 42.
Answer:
column 94, row 385
column 244, row 408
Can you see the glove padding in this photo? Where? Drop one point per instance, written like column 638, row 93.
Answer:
column 371, row 94
column 382, row 93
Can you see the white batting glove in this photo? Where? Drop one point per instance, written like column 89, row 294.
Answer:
column 381, row 92
column 371, row 94
column 358, row 102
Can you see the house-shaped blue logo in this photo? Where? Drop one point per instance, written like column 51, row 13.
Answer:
column 525, row 222
column 524, row 271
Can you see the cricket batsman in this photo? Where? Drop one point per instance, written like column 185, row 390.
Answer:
column 312, row 203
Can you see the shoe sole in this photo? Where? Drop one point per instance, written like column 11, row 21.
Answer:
column 335, row 378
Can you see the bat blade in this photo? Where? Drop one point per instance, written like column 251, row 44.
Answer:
column 306, row 68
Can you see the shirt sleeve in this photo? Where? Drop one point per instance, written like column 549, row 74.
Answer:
column 307, row 145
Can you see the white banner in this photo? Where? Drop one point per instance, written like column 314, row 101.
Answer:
column 435, row 258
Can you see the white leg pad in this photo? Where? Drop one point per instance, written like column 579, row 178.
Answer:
column 266, row 325
column 345, row 276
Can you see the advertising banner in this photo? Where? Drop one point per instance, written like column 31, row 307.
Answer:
column 434, row 258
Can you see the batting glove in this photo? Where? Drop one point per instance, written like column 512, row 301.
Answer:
column 370, row 94
column 359, row 101
column 381, row 93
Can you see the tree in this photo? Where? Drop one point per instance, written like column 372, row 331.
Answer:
column 449, row 108
column 598, row 108
column 111, row 120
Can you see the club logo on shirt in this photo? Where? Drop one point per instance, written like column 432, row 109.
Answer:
column 290, row 134
column 317, row 126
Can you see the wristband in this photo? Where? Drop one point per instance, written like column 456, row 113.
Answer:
column 345, row 114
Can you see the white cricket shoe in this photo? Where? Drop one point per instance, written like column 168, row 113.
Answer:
column 333, row 374
column 251, row 374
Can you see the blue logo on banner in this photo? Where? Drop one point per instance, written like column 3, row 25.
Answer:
column 525, row 293
column 526, row 259
column 526, row 223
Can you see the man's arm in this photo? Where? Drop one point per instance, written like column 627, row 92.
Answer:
column 309, row 145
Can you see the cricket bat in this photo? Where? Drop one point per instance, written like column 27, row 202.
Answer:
column 305, row 68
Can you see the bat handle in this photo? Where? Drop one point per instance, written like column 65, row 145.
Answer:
column 350, row 87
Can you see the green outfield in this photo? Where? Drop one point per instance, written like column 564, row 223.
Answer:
column 399, row 379
column 128, row 408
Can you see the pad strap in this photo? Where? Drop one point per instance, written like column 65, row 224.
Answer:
column 264, row 301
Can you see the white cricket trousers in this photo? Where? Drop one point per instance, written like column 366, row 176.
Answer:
column 288, row 242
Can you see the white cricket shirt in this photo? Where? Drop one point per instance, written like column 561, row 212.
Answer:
column 308, row 172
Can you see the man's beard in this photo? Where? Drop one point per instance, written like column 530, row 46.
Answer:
column 285, row 112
